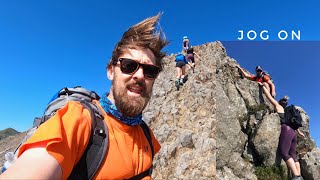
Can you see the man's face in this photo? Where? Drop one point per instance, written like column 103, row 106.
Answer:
column 259, row 72
column 131, row 92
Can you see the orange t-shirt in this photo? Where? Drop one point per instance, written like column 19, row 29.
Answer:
column 259, row 79
column 67, row 133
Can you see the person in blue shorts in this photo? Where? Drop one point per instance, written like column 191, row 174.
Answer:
column 181, row 62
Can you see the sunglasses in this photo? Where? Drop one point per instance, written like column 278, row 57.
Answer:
column 129, row 66
column 259, row 70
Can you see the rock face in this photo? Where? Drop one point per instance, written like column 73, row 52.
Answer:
column 184, row 120
column 215, row 126
column 247, row 130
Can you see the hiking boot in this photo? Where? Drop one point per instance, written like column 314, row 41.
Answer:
column 185, row 79
column 181, row 81
column 177, row 84
column 297, row 178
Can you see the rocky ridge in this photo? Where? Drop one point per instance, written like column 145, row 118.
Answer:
column 248, row 129
column 215, row 126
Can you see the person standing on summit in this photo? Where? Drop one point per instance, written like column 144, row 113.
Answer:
column 260, row 77
column 53, row 151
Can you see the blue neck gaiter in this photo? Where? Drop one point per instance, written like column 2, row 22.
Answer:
column 110, row 108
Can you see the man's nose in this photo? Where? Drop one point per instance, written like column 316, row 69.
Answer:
column 139, row 73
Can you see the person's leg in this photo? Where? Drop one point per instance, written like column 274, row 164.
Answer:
column 298, row 167
column 292, row 166
column 267, row 86
column 179, row 72
column 183, row 74
column 293, row 151
column 285, row 141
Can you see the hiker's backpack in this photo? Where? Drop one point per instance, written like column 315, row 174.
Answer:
column 180, row 57
column 96, row 149
column 190, row 50
column 292, row 117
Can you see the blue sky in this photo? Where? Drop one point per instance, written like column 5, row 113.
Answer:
column 46, row 45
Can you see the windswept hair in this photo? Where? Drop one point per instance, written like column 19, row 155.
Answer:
column 145, row 34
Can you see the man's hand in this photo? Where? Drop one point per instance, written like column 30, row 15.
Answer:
column 300, row 133
column 260, row 83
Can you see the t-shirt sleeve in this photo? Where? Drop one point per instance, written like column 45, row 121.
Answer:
column 65, row 136
column 252, row 78
column 266, row 78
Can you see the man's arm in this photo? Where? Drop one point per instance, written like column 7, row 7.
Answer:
column 189, row 64
column 245, row 74
column 197, row 56
column 34, row 163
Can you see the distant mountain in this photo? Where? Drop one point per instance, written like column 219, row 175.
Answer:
column 7, row 132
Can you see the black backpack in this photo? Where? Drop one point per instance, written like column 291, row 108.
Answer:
column 292, row 117
column 97, row 147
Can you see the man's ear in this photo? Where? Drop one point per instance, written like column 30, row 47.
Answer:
column 110, row 72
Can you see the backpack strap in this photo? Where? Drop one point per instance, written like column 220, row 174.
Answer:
column 262, row 77
column 96, row 149
column 147, row 172
column 147, row 133
column 79, row 90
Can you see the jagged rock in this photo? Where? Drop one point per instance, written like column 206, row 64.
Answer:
column 226, row 174
column 247, row 130
column 241, row 168
column 184, row 120
column 229, row 135
column 310, row 165
column 265, row 139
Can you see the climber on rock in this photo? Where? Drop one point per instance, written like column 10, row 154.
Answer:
column 181, row 70
column 190, row 57
column 260, row 77
column 185, row 44
column 288, row 136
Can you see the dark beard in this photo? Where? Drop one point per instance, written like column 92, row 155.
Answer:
column 130, row 106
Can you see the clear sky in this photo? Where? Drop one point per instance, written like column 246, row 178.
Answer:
column 46, row 45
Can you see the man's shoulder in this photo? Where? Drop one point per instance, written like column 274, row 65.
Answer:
column 266, row 78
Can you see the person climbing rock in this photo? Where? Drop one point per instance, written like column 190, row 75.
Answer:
column 190, row 57
column 181, row 70
column 288, row 135
column 262, row 77
column 185, row 43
